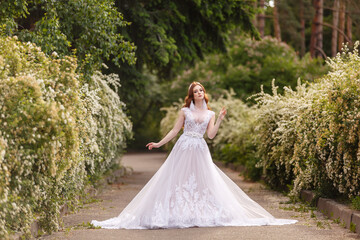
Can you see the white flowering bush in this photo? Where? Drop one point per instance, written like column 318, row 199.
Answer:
column 276, row 131
column 106, row 125
column 310, row 137
column 57, row 132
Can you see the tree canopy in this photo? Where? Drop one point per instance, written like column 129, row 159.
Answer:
column 170, row 33
column 145, row 42
column 88, row 27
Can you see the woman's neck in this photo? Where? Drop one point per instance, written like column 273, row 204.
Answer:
column 198, row 104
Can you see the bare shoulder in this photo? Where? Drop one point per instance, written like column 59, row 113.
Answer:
column 182, row 112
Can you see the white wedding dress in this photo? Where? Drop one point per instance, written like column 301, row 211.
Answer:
column 189, row 190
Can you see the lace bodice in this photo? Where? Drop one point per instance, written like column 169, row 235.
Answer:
column 196, row 121
column 195, row 126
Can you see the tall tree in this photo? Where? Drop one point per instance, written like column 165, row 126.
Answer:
column 261, row 18
column 302, row 28
column 341, row 23
column 277, row 30
column 316, row 41
column 335, row 24
column 293, row 17
column 349, row 28
column 254, row 19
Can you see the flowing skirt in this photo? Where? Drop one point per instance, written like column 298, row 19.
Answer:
column 189, row 190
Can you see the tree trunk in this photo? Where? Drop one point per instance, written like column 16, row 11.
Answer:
column 317, row 30
column 341, row 23
column 334, row 37
column 254, row 20
column 319, row 43
column 276, row 21
column 349, row 28
column 261, row 18
column 302, row 30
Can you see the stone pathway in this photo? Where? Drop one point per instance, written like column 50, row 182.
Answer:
column 110, row 202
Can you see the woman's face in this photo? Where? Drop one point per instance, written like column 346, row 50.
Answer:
column 198, row 92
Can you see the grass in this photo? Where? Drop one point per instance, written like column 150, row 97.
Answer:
column 343, row 224
column 352, row 227
column 355, row 202
column 301, row 208
column 337, row 220
column 320, row 224
column 82, row 225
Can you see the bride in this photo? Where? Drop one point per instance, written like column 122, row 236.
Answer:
column 189, row 190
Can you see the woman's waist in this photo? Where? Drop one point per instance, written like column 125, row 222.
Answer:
column 193, row 134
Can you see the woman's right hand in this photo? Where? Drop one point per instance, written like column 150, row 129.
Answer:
column 222, row 113
column 152, row 145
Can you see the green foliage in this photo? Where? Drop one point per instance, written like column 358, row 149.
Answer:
column 168, row 35
column 9, row 11
column 52, row 139
column 91, row 27
column 171, row 33
column 312, row 133
column 290, row 22
column 352, row 227
column 356, row 202
column 248, row 65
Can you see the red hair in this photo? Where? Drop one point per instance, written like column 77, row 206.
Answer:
column 190, row 95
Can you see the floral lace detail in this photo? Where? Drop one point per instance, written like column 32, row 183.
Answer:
column 192, row 124
column 188, row 205
column 193, row 129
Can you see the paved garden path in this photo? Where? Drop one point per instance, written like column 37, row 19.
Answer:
column 116, row 196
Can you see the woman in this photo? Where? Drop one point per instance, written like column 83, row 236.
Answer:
column 189, row 189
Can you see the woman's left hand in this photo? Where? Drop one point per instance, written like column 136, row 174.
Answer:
column 152, row 145
column 222, row 113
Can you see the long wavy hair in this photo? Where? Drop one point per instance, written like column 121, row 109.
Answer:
column 190, row 95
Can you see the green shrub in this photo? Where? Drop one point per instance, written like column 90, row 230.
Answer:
column 276, row 120
column 246, row 66
column 313, row 133
column 356, row 202
column 52, row 139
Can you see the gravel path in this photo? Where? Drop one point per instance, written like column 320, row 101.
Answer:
column 111, row 201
